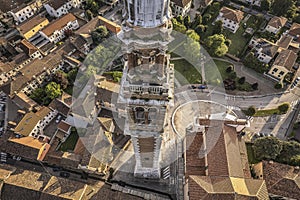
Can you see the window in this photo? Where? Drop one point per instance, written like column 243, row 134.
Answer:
column 281, row 73
column 275, row 70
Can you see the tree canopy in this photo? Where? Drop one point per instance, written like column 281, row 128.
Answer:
column 281, row 7
column 267, row 148
column 53, row 90
column 192, row 34
column 216, row 45
column 99, row 34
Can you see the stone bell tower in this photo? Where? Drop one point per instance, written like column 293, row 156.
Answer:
column 147, row 85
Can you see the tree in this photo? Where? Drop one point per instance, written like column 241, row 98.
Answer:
column 265, row 5
column 197, row 21
column 60, row 78
column 281, row 7
column 229, row 69
column 178, row 26
column 283, row 108
column 179, row 19
column 206, row 18
column 38, row 95
column 278, row 86
column 89, row 14
column 53, row 90
column 216, row 45
column 192, row 51
column 192, row 34
column 251, row 111
column 267, row 148
column 72, row 75
column 228, row 42
column 99, row 34
column 254, row 86
column 242, row 80
column 92, row 6
column 218, row 27
column 187, row 21
column 200, row 29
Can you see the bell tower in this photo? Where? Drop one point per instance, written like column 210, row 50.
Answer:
column 147, row 85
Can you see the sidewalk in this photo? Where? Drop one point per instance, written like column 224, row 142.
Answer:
column 265, row 86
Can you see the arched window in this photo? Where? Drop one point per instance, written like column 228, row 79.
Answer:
column 152, row 115
column 140, row 115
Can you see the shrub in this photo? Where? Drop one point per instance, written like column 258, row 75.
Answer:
column 251, row 111
column 242, row 80
column 278, row 86
column 283, row 108
column 255, row 86
column 229, row 69
column 232, row 75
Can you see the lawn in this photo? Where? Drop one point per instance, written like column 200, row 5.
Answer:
column 186, row 73
column 265, row 113
column 239, row 41
column 250, row 152
column 70, row 142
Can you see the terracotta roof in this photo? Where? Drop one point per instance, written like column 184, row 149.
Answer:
column 286, row 58
column 58, row 24
column 30, row 120
column 295, row 30
column 269, row 48
column 285, row 41
column 233, row 15
column 111, row 26
column 204, row 187
column 89, row 27
column 64, row 126
column 29, row 142
column 181, row 3
column 22, row 100
column 27, row 47
column 31, row 23
column 282, row 180
column 56, row 4
column 8, row 5
column 277, row 22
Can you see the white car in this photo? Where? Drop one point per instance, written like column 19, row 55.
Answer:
column 58, row 119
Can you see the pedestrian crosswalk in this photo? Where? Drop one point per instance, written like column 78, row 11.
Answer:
column 3, row 157
column 232, row 107
column 166, row 172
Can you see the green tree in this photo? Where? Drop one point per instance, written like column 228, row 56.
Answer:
column 72, row 75
column 267, row 148
column 206, row 18
column 251, row 111
column 283, row 108
column 53, row 90
column 265, row 5
column 179, row 19
column 99, row 34
column 92, row 6
column 197, row 21
column 216, row 45
column 200, row 29
column 218, row 27
column 281, row 7
column 278, row 86
column 192, row 34
column 192, row 51
column 187, row 21
column 254, row 86
column 242, row 80
column 38, row 95
column 178, row 26
column 60, row 78
column 89, row 14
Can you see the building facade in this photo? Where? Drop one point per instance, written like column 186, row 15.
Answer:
column 181, row 7
column 230, row 18
column 57, row 8
column 147, row 84
column 26, row 11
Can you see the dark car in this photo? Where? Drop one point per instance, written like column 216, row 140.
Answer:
column 193, row 87
column 202, row 87
column 64, row 174
column 56, row 169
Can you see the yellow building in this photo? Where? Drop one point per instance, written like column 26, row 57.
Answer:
column 32, row 26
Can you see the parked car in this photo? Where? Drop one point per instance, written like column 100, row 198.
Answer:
column 64, row 174
column 202, row 87
column 58, row 119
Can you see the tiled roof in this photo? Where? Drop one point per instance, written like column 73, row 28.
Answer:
column 27, row 47
column 204, row 187
column 64, row 126
column 106, row 122
column 22, row 100
column 8, row 5
column 286, row 58
column 181, row 3
column 277, row 22
column 58, row 24
column 56, row 4
column 31, row 23
column 89, row 27
column 295, row 30
column 233, row 15
column 285, row 41
column 282, row 180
